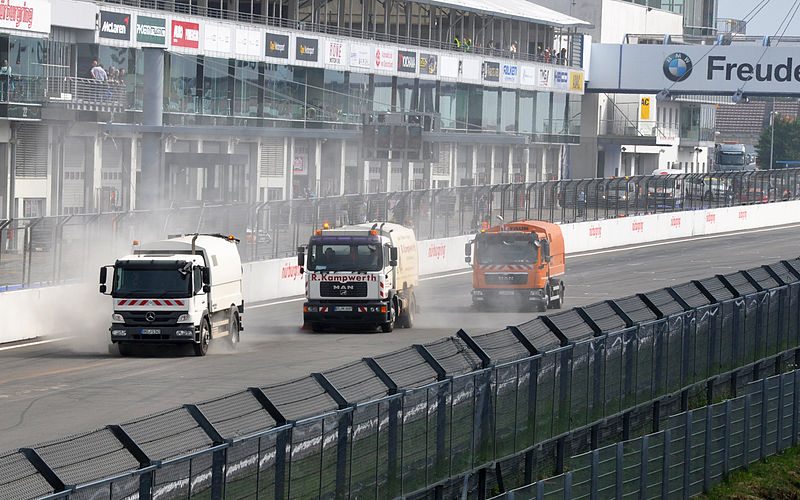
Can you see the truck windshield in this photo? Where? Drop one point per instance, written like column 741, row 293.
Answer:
column 501, row 248
column 151, row 282
column 730, row 158
column 341, row 256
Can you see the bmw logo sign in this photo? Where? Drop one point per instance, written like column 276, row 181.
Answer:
column 677, row 67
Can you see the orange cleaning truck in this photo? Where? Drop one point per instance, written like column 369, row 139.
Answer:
column 518, row 263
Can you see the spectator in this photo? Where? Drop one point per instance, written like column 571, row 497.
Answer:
column 563, row 57
column 6, row 85
column 467, row 44
column 456, row 44
column 513, row 49
column 97, row 72
column 581, row 203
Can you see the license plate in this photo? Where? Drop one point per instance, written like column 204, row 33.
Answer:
column 343, row 308
column 151, row 331
column 506, row 292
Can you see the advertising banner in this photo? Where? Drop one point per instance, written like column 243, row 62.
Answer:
column 277, row 46
column 491, row 71
column 26, row 15
column 576, row 81
column 217, row 38
column 406, row 61
column 384, row 58
column 359, row 56
column 527, row 75
column 335, row 53
column 428, row 64
column 561, row 79
column 151, row 30
column 449, row 66
column 115, row 25
column 700, row 69
column 510, row 73
column 299, row 164
column 306, row 49
column 545, row 77
column 185, row 34
column 248, row 42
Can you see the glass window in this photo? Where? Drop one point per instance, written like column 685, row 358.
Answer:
column 406, row 95
column 182, row 91
column 382, row 93
column 341, row 255
column 447, row 105
column 543, row 119
column 245, row 81
column 334, row 99
column 574, row 114
column 559, row 114
column 427, row 95
column 358, row 93
column 284, row 97
column 508, row 111
column 215, row 87
column 526, row 106
column 489, row 109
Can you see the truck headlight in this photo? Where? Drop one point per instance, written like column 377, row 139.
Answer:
column 118, row 333
column 184, row 318
column 117, row 318
column 184, row 333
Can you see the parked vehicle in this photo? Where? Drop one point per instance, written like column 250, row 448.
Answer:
column 360, row 275
column 733, row 157
column 665, row 189
column 518, row 263
column 183, row 290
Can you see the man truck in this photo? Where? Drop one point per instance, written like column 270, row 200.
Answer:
column 183, row 290
column 360, row 275
column 517, row 263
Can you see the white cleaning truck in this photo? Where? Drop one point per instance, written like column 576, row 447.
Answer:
column 183, row 290
column 360, row 275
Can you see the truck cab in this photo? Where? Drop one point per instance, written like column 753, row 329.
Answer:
column 518, row 263
column 360, row 275
column 184, row 290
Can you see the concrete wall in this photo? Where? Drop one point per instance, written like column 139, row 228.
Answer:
column 45, row 311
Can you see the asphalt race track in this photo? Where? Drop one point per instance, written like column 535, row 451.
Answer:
column 70, row 385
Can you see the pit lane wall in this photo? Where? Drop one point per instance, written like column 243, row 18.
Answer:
column 281, row 278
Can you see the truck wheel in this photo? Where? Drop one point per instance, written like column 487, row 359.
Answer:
column 201, row 348
column 233, row 330
column 556, row 303
column 407, row 319
column 389, row 325
column 120, row 349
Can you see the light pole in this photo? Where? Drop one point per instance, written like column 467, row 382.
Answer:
column 772, row 132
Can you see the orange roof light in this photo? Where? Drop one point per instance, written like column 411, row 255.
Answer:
column 318, row 232
column 230, row 237
column 326, row 226
column 373, row 233
column 135, row 242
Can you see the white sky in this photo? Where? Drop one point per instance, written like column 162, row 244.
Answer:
column 765, row 22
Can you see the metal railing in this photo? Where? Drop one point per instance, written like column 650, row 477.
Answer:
column 697, row 450
column 41, row 251
column 72, row 90
column 538, row 392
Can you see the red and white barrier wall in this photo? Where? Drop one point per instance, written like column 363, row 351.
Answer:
column 48, row 311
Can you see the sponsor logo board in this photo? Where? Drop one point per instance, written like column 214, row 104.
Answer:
column 306, row 49
column 151, row 30
column 185, row 34
column 114, row 25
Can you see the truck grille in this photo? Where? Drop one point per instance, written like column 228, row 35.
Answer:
column 506, row 279
column 346, row 289
column 162, row 318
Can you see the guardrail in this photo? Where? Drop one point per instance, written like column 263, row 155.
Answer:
column 61, row 248
column 410, row 421
column 696, row 451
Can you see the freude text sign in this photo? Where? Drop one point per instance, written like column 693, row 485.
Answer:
column 719, row 69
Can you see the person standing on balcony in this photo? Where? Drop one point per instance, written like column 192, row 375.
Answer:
column 5, row 81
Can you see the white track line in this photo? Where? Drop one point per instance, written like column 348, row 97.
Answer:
column 29, row 344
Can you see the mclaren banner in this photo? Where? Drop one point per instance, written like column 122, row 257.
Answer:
column 702, row 69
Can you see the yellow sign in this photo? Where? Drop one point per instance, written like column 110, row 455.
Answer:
column 576, row 81
column 645, row 115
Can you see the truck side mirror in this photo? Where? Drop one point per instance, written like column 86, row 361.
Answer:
column 468, row 250
column 301, row 258
column 546, row 250
column 103, row 288
column 206, row 288
column 206, row 277
column 393, row 254
column 103, row 278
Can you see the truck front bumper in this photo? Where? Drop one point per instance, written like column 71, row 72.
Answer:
column 179, row 334
column 339, row 313
column 499, row 296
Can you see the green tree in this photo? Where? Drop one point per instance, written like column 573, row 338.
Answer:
column 787, row 142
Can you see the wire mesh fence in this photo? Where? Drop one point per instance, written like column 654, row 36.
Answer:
column 406, row 423
column 696, row 451
column 57, row 249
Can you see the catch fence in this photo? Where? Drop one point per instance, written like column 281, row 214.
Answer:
column 414, row 422
column 57, row 249
column 696, row 451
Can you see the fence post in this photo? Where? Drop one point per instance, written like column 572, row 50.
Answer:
column 779, row 436
column 763, row 426
column 707, row 454
column 619, row 469
column 656, row 415
column 687, row 453
column 643, row 467
column 795, row 403
column 726, row 451
column 568, row 485
column 665, row 463
column 594, row 475
column 746, row 447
